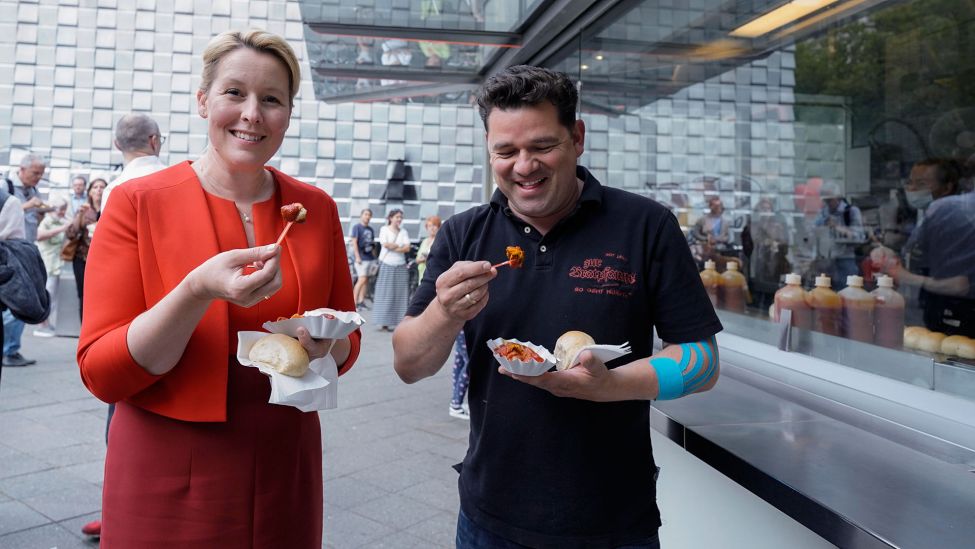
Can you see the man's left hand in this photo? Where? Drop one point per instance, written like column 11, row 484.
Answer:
column 587, row 380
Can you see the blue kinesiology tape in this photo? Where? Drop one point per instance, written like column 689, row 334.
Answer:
column 673, row 381
column 669, row 378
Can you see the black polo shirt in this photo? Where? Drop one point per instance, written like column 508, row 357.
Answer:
column 547, row 471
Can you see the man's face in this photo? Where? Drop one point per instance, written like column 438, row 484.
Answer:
column 365, row 217
column 716, row 206
column 32, row 174
column 925, row 178
column 78, row 186
column 533, row 158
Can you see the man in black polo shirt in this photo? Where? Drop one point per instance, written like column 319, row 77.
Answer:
column 562, row 459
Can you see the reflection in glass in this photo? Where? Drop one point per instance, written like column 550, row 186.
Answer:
column 840, row 142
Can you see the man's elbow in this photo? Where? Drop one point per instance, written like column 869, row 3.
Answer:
column 713, row 380
column 405, row 373
column 403, row 364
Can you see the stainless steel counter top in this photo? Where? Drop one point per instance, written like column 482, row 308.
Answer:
column 855, row 480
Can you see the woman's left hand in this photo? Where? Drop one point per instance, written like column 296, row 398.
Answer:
column 317, row 348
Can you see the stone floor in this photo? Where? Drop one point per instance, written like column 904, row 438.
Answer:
column 388, row 451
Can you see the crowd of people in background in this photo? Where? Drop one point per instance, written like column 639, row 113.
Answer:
column 206, row 444
column 918, row 232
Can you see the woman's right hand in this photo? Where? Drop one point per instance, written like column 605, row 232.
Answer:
column 242, row 277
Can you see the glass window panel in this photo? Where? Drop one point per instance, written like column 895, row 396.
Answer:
column 838, row 143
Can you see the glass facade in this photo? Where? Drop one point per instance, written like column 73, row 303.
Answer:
column 832, row 140
column 429, row 51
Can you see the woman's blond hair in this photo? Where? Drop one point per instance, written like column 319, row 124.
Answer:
column 258, row 40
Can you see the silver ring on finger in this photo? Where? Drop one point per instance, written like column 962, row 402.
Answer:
column 470, row 300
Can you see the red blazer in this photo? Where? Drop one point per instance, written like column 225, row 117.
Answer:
column 158, row 230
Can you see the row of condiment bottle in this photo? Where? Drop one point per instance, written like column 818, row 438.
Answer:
column 727, row 290
column 871, row 317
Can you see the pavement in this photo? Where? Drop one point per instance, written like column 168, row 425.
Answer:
column 387, row 453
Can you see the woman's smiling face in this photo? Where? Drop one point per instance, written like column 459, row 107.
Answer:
column 247, row 107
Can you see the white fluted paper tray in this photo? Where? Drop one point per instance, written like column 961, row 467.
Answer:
column 530, row 368
column 316, row 390
column 318, row 324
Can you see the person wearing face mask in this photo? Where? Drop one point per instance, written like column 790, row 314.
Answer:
column 939, row 268
column 931, row 179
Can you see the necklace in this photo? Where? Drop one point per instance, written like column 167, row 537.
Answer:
column 244, row 216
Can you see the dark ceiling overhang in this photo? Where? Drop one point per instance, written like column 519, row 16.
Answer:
column 634, row 69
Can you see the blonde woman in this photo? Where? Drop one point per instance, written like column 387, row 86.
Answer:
column 197, row 458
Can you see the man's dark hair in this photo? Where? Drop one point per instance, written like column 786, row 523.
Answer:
column 947, row 171
column 523, row 85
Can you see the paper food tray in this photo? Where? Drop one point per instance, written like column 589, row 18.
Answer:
column 316, row 390
column 530, row 368
column 319, row 326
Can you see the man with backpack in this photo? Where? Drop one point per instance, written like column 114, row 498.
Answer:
column 23, row 185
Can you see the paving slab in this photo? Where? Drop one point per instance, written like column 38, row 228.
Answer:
column 387, row 453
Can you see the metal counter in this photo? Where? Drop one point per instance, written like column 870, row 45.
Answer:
column 857, row 480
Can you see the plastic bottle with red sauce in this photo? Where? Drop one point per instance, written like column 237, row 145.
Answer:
column 733, row 288
column 827, row 306
column 888, row 314
column 858, row 307
column 792, row 297
column 712, row 282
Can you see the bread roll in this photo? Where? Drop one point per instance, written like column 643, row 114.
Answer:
column 966, row 348
column 912, row 335
column 280, row 353
column 949, row 345
column 930, row 342
column 568, row 346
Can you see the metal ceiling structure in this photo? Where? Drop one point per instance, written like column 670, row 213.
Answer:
column 626, row 53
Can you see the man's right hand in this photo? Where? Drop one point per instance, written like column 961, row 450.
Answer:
column 462, row 290
column 422, row 344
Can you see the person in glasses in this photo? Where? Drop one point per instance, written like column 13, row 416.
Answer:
column 138, row 138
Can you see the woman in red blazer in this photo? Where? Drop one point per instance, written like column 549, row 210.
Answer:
column 196, row 455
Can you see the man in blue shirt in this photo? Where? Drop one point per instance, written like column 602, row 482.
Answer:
column 363, row 248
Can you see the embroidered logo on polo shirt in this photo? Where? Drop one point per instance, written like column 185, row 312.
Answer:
column 607, row 275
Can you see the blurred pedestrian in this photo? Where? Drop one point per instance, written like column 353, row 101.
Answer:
column 460, row 379
column 138, row 138
column 32, row 168
column 79, row 196
column 50, row 241
column 80, row 230
column 363, row 248
column 432, row 225
column 393, row 284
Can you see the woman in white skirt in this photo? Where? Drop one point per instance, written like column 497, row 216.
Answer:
column 392, row 286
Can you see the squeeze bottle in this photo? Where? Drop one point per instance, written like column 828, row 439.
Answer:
column 793, row 297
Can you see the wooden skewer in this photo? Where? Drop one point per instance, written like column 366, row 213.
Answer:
column 284, row 232
column 278, row 243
